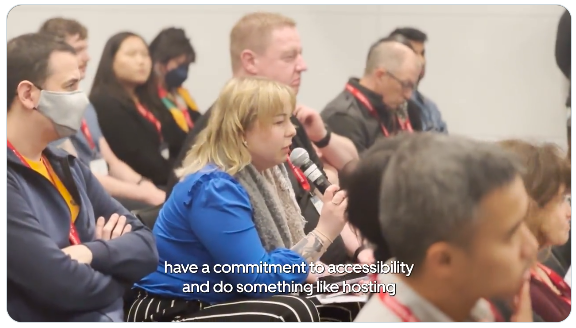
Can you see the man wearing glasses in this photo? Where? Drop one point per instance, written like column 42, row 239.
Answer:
column 378, row 104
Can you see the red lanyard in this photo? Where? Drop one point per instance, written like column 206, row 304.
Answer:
column 151, row 118
column 187, row 117
column 358, row 95
column 558, row 282
column 299, row 176
column 73, row 235
column 402, row 311
column 87, row 134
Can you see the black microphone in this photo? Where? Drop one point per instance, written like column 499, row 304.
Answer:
column 299, row 157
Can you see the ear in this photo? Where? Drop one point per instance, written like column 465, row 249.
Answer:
column 249, row 62
column 380, row 72
column 441, row 259
column 25, row 93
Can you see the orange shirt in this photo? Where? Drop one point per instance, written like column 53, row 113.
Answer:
column 43, row 167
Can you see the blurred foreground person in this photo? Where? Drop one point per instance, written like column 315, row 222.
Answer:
column 453, row 207
column 362, row 179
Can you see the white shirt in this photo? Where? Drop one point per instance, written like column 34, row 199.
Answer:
column 375, row 311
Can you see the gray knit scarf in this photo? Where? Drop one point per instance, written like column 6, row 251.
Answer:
column 276, row 214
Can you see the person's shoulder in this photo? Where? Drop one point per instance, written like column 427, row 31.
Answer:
column 210, row 179
column 427, row 101
column 342, row 104
column 101, row 97
column 90, row 112
column 375, row 311
column 58, row 152
column 105, row 102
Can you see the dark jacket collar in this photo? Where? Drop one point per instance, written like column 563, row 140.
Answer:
column 418, row 96
column 51, row 153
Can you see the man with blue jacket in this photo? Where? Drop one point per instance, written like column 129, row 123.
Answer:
column 72, row 250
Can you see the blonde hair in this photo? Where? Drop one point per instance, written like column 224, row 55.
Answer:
column 242, row 103
column 546, row 171
column 253, row 32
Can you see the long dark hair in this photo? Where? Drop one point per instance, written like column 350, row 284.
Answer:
column 107, row 83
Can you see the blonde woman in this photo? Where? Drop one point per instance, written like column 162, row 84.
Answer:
column 547, row 178
column 235, row 205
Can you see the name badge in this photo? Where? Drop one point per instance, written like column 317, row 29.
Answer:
column 99, row 166
column 318, row 204
column 165, row 151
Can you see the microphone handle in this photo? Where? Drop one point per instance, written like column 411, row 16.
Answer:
column 313, row 173
column 322, row 184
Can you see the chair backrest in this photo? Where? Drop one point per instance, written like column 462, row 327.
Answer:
column 555, row 264
column 148, row 215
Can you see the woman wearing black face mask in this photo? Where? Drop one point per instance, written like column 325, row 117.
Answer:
column 172, row 53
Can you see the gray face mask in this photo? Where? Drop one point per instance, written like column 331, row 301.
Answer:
column 64, row 109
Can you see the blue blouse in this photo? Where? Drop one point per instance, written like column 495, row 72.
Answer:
column 207, row 222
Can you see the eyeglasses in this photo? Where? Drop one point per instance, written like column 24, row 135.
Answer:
column 406, row 86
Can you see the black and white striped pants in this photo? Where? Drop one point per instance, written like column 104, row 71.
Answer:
column 280, row 308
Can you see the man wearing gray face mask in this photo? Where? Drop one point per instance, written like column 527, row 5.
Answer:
column 72, row 249
column 89, row 145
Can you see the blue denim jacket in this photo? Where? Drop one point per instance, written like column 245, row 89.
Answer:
column 431, row 116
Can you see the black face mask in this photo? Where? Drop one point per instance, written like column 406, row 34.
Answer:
column 176, row 77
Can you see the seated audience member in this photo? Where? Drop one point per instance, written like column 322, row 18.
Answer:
column 72, row 249
column 235, row 205
column 117, row 178
column 377, row 105
column 172, row 53
column 430, row 114
column 140, row 131
column 547, row 178
column 268, row 45
column 467, row 214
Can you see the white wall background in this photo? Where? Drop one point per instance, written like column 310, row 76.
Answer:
column 491, row 69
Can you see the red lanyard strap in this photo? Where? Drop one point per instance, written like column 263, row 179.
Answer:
column 187, row 117
column 558, row 282
column 151, row 118
column 299, row 176
column 87, row 134
column 406, row 126
column 400, row 310
column 73, row 235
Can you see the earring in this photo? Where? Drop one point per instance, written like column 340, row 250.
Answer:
column 245, row 143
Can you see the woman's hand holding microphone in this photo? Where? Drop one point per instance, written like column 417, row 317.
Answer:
column 333, row 215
